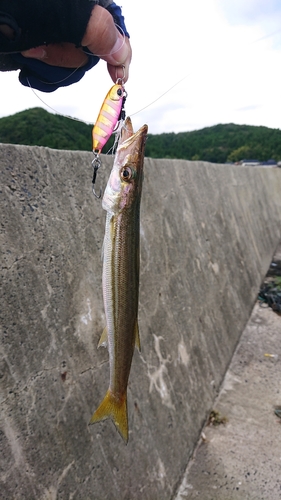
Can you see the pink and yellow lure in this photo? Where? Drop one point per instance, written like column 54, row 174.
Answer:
column 111, row 112
column 108, row 117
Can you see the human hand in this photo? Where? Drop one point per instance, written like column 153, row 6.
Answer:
column 101, row 38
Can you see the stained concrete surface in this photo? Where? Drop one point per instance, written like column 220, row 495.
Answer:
column 241, row 459
column 208, row 233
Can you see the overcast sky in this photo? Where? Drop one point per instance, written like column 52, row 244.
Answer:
column 225, row 54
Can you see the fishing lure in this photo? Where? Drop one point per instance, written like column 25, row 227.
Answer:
column 111, row 114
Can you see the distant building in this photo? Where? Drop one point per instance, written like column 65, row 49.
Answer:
column 269, row 163
column 249, row 163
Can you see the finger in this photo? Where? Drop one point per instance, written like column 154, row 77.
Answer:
column 101, row 33
column 121, row 53
column 65, row 55
column 104, row 40
column 120, row 69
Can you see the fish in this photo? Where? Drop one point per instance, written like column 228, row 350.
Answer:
column 108, row 117
column 120, row 277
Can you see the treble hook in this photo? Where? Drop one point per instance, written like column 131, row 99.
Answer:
column 96, row 164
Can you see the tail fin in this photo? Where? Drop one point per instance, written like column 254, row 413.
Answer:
column 115, row 409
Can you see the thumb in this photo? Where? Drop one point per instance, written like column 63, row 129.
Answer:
column 64, row 55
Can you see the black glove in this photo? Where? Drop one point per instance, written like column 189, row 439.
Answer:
column 39, row 22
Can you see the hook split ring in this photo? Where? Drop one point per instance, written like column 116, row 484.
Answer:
column 120, row 80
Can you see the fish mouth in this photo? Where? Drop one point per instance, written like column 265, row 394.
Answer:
column 128, row 136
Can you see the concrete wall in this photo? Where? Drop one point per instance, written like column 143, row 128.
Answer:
column 208, row 233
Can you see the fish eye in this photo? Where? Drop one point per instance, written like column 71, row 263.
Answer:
column 126, row 173
column 119, row 92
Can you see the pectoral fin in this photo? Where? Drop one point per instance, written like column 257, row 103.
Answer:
column 104, row 339
column 137, row 337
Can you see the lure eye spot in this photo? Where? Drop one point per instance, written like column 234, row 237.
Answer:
column 126, row 174
column 119, row 92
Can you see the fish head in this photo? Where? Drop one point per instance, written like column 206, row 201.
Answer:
column 125, row 182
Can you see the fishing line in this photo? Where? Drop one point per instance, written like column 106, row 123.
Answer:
column 53, row 109
column 80, row 66
column 155, row 100
column 148, row 105
column 59, row 81
column 110, row 53
column 177, row 83
column 70, row 75
column 265, row 36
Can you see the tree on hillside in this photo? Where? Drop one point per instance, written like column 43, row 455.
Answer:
column 218, row 144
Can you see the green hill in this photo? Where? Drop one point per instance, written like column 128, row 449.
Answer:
column 37, row 127
column 219, row 144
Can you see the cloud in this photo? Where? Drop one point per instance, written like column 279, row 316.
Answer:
column 251, row 107
column 229, row 76
column 251, row 12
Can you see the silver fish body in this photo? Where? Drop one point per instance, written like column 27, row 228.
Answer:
column 121, row 200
